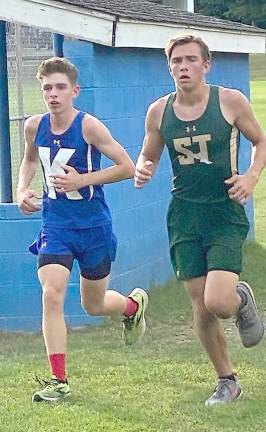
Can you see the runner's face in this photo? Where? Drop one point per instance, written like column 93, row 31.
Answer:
column 187, row 66
column 58, row 92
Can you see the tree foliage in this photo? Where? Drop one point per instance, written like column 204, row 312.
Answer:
column 252, row 12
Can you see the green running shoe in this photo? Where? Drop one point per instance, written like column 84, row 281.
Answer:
column 134, row 326
column 53, row 391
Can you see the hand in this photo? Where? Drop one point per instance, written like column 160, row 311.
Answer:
column 143, row 173
column 25, row 201
column 241, row 187
column 68, row 182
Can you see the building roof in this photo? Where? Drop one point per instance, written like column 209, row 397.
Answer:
column 144, row 10
column 131, row 23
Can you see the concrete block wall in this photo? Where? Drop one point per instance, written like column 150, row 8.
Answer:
column 20, row 291
column 20, row 306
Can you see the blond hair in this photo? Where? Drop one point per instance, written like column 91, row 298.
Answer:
column 185, row 39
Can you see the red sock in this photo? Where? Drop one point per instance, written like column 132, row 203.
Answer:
column 131, row 307
column 57, row 362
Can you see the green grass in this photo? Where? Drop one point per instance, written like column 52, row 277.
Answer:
column 33, row 104
column 258, row 98
column 159, row 386
column 258, row 89
column 258, row 66
column 32, row 98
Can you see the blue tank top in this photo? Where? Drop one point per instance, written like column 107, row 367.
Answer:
column 83, row 208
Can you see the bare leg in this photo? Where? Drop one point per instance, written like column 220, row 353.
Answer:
column 96, row 300
column 208, row 328
column 220, row 296
column 54, row 279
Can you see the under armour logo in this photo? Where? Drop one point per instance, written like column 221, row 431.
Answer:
column 193, row 128
column 57, row 142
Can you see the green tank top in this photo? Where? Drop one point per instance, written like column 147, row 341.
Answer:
column 203, row 152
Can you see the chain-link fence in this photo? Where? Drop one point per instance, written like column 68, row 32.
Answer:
column 26, row 48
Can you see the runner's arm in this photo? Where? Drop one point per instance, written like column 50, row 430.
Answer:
column 28, row 168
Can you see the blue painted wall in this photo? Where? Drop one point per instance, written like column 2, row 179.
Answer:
column 117, row 85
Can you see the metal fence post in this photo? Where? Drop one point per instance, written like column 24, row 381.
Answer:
column 58, row 43
column 19, row 83
column 5, row 150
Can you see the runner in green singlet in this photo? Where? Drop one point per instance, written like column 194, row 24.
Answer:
column 206, row 220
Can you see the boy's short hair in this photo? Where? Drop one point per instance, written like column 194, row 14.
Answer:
column 185, row 39
column 57, row 65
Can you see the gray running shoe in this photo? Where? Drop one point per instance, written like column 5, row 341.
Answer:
column 227, row 391
column 248, row 320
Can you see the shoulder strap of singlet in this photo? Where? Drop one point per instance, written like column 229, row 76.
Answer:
column 214, row 100
column 168, row 109
column 79, row 117
column 43, row 125
column 77, row 123
column 170, row 101
column 45, row 120
column 214, row 95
